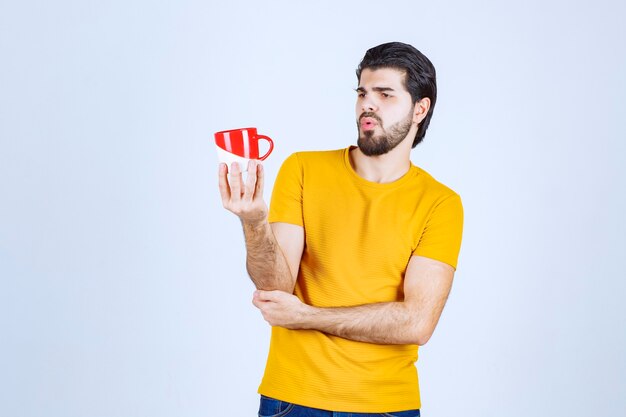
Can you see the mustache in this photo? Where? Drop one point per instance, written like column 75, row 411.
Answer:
column 372, row 115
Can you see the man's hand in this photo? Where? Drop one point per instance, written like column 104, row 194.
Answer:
column 281, row 309
column 245, row 200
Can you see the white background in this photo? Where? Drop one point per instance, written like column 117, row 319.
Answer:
column 123, row 290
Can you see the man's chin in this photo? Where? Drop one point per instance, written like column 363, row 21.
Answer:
column 369, row 147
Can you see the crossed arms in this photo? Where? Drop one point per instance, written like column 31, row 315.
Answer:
column 273, row 259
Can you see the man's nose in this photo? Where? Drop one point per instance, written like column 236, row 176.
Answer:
column 367, row 104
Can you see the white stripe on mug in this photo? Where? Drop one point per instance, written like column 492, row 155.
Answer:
column 246, row 144
column 229, row 147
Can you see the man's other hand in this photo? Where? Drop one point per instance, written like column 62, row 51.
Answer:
column 281, row 309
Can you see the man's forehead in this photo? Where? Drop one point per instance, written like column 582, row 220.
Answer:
column 383, row 77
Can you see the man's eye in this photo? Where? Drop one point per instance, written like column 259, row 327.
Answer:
column 361, row 95
column 385, row 95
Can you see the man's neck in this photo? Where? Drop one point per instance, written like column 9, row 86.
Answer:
column 383, row 168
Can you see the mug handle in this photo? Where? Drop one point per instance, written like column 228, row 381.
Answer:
column 261, row 158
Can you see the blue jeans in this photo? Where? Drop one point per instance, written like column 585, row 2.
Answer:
column 275, row 408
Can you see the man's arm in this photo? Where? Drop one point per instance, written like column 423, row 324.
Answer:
column 427, row 283
column 266, row 262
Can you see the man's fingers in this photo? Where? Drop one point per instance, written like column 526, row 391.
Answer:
column 222, row 174
column 261, row 295
column 258, row 193
column 248, row 193
column 235, row 182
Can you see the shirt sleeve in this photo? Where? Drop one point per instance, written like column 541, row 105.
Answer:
column 441, row 238
column 286, row 202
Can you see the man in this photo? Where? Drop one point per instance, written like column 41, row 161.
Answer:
column 355, row 259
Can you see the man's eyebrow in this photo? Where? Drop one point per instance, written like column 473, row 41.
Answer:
column 362, row 89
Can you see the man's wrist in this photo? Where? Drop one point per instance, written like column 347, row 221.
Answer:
column 254, row 224
column 307, row 317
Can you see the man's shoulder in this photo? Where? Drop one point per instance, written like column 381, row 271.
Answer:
column 316, row 158
column 434, row 186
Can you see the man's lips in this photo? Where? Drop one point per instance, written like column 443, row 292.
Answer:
column 368, row 123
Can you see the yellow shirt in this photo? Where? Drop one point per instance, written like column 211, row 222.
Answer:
column 359, row 237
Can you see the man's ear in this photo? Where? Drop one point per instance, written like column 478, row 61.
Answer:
column 420, row 110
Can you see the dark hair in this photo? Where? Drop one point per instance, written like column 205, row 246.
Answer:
column 420, row 77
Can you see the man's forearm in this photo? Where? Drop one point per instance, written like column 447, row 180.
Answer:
column 382, row 323
column 406, row 322
column 427, row 284
column 265, row 261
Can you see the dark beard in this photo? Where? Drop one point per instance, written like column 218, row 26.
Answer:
column 372, row 145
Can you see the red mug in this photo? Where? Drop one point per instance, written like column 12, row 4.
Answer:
column 243, row 143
